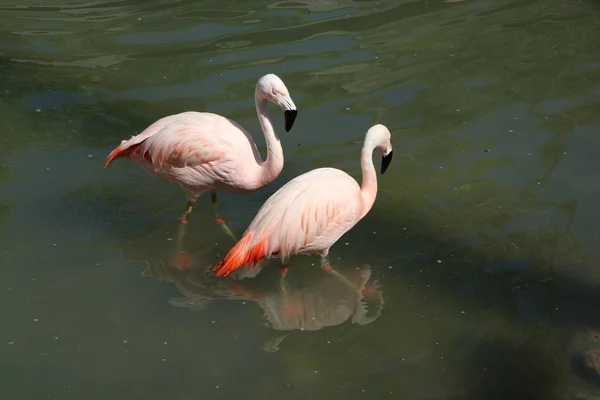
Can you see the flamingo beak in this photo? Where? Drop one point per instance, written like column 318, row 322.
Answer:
column 385, row 162
column 290, row 117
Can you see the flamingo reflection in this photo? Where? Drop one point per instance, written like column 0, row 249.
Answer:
column 308, row 303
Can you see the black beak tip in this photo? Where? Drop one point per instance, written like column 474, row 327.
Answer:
column 385, row 162
column 290, row 117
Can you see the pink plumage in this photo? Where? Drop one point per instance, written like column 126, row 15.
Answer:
column 201, row 151
column 312, row 211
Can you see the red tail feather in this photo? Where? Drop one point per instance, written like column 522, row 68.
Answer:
column 241, row 254
column 119, row 151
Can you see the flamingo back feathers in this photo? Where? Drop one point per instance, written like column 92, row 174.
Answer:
column 182, row 143
column 310, row 212
column 178, row 140
column 127, row 148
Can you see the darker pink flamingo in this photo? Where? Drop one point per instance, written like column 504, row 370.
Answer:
column 205, row 152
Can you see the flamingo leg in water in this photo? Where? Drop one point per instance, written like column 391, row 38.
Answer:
column 183, row 222
column 219, row 220
column 326, row 266
column 284, row 291
column 180, row 259
column 188, row 209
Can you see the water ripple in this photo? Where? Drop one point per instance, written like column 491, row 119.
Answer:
column 192, row 34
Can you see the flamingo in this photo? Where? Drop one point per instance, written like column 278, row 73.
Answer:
column 311, row 212
column 205, row 152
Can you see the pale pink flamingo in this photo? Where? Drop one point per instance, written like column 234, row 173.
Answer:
column 205, row 152
column 311, row 212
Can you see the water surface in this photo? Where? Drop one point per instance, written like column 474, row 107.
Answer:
column 478, row 260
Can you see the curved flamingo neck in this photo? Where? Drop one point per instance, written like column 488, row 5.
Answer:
column 369, row 178
column 271, row 167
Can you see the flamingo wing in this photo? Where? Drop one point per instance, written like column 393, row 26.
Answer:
column 185, row 139
column 188, row 142
column 309, row 213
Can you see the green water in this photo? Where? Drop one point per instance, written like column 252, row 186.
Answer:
column 480, row 254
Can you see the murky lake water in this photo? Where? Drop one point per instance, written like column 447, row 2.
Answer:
column 479, row 258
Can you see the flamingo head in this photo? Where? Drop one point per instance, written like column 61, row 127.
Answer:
column 379, row 137
column 271, row 87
